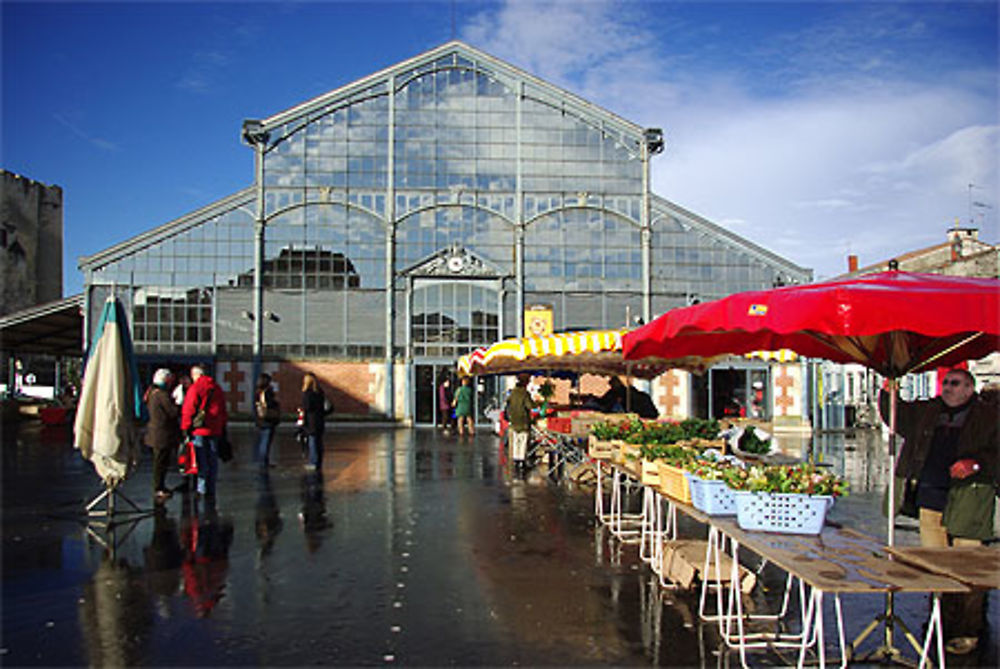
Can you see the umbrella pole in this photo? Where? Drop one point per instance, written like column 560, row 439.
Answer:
column 888, row 651
column 893, row 400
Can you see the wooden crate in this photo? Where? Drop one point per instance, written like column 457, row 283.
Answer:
column 598, row 449
column 650, row 472
column 673, row 483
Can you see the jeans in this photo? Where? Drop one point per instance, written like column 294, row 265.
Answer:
column 314, row 443
column 207, row 452
column 265, row 435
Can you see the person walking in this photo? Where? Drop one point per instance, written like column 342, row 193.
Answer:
column 163, row 433
column 444, row 404
column 204, row 416
column 463, row 407
column 268, row 413
column 519, row 406
column 315, row 408
column 950, row 450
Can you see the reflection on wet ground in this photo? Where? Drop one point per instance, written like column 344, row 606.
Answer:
column 408, row 547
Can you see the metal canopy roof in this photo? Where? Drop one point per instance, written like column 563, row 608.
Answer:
column 55, row 328
column 291, row 120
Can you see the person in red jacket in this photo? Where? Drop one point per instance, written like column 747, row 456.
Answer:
column 207, row 398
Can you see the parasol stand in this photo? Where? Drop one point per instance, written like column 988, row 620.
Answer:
column 108, row 496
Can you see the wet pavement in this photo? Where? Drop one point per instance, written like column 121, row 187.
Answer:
column 409, row 547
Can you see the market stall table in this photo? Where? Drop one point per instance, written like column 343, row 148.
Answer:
column 837, row 561
column 976, row 566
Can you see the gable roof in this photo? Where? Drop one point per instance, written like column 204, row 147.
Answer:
column 448, row 54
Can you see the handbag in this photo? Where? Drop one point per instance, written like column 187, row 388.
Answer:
column 187, row 459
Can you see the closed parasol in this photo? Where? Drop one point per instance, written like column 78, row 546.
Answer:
column 110, row 404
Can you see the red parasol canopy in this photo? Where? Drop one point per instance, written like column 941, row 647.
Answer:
column 892, row 322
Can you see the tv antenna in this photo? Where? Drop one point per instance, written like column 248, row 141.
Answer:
column 976, row 207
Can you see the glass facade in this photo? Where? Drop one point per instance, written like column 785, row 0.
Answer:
column 452, row 149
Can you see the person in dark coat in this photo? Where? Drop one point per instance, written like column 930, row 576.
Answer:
column 951, row 448
column 205, row 394
column 163, row 433
column 315, row 408
column 268, row 414
column 445, row 400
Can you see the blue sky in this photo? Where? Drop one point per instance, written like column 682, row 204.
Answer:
column 815, row 129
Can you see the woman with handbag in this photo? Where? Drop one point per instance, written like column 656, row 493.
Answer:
column 268, row 416
column 315, row 408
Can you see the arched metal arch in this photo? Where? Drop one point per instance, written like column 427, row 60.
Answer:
column 573, row 207
column 345, row 204
column 455, row 205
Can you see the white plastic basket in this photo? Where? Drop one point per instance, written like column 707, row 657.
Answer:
column 712, row 497
column 781, row 512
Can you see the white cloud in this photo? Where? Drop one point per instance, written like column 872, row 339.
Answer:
column 93, row 140
column 856, row 154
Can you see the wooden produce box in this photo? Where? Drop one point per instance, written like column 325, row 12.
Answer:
column 598, row 449
column 684, row 560
column 673, row 483
column 580, row 425
column 650, row 472
column 702, row 444
column 626, row 455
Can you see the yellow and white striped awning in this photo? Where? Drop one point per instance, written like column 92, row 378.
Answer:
column 590, row 351
column 781, row 355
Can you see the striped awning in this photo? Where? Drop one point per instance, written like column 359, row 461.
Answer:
column 590, row 351
column 781, row 355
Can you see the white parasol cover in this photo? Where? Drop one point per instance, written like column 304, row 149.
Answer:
column 106, row 430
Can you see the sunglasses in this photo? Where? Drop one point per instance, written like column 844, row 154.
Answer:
column 951, row 382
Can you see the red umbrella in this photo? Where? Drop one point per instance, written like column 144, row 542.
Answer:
column 892, row 322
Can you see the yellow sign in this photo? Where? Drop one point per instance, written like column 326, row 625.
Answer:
column 538, row 320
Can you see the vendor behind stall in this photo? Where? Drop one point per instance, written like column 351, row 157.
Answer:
column 620, row 398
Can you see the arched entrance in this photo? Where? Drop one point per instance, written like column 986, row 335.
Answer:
column 454, row 305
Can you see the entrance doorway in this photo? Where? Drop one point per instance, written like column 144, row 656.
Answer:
column 427, row 379
column 732, row 392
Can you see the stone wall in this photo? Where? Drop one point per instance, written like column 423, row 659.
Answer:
column 31, row 239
